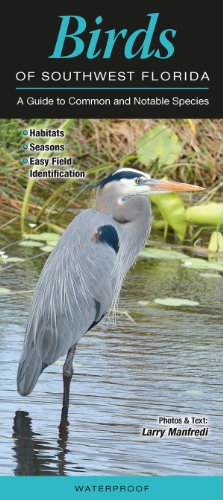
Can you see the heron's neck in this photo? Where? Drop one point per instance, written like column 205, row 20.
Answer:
column 136, row 211
column 133, row 217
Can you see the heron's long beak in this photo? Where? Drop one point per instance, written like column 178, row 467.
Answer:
column 162, row 186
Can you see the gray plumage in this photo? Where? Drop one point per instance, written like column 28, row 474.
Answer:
column 82, row 277
column 78, row 272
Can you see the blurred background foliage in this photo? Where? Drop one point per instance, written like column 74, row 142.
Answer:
column 183, row 150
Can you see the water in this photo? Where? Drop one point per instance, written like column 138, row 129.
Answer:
column 168, row 363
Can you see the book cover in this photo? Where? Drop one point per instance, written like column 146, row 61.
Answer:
column 111, row 250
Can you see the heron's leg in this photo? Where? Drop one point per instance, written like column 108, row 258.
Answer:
column 67, row 376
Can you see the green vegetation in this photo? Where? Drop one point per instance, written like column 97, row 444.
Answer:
column 183, row 150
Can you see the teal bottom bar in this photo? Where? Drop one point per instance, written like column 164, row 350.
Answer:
column 109, row 487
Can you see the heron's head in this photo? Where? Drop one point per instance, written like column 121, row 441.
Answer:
column 127, row 182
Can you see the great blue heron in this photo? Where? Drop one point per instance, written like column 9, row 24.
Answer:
column 82, row 277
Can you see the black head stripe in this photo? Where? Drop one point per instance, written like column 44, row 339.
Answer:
column 108, row 234
column 124, row 174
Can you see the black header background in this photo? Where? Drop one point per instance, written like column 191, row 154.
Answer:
column 28, row 35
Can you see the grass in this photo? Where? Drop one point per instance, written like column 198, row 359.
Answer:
column 98, row 147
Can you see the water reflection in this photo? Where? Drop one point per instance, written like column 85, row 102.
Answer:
column 31, row 452
column 28, row 449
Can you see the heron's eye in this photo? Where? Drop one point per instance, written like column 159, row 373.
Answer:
column 137, row 180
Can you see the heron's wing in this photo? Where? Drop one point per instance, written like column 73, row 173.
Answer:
column 74, row 291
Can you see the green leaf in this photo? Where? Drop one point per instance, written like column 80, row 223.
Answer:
column 172, row 209
column 209, row 214
column 216, row 242
column 172, row 302
column 4, row 291
column 13, row 259
column 195, row 263
column 3, row 256
column 42, row 237
column 30, row 243
column 143, row 302
column 47, row 248
column 51, row 243
column 163, row 254
column 210, row 275
column 159, row 144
